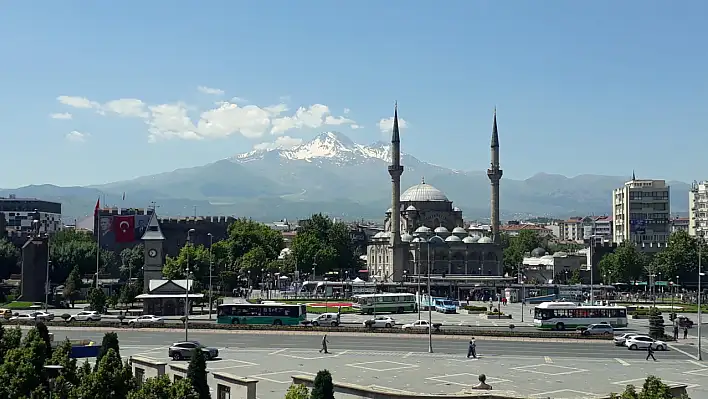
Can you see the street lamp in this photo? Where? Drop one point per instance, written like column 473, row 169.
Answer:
column 418, row 241
column 47, row 286
column 186, row 289
column 435, row 241
column 653, row 289
column 211, row 292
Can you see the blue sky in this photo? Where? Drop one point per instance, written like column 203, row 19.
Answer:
column 598, row 87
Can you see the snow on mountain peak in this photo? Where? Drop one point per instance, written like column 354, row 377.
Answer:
column 333, row 146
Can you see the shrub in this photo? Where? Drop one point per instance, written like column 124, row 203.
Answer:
column 495, row 313
column 656, row 324
column 298, row 391
column 322, row 387
column 197, row 374
column 66, row 317
column 475, row 308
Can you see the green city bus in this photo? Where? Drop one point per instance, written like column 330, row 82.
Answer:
column 385, row 303
column 278, row 314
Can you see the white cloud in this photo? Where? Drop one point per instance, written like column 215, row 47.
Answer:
column 62, row 115
column 284, row 142
column 355, row 126
column 346, row 111
column 386, row 124
column 129, row 107
column 239, row 100
column 226, row 118
column 76, row 136
column 78, row 102
column 210, row 90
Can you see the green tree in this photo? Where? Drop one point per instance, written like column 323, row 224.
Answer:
column 575, row 277
column 254, row 261
column 109, row 342
column 161, row 388
column 626, row 263
column 197, row 374
column 322, row 387
column 653, row 388
column 61, row 356
column 298, row 391
column 10, row 339
column 72, row 285
column 97, row 299
column 129, row 292
column 327, row 243
column 9, row 258
column 21, row 374
column 246, row 234
column 131, row 261
column 197, row 256
column 111, row 380
column 43, row 332
column 656, row 324
column 518, row 247
column 680, row 258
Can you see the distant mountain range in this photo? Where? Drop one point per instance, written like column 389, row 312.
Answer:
column 334, row 175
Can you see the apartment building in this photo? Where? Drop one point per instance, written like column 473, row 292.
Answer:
column 679, row 224
column 599, row 227
column 641, row 213
column 20, row 214
column 698, row 208
column 579, row 229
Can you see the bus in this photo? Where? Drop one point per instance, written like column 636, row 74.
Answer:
column 384, row 303
column 562, row 315
column 277, row 314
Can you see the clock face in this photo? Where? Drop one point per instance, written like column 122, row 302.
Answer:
column 152, row 253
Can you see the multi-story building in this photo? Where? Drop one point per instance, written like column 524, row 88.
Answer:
column 598, row 226
column 641, row 213
column 679, row 224
column 568, row 230
column 698, row 208
column 514, row 227
column 20, row 213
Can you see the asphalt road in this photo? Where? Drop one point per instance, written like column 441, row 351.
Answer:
column 486, row 346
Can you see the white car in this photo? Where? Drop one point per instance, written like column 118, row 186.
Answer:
column 380, row 322
column 417, row 325
column 22, row 317
column 622, row 338
column 86, row 315
column 642, row 342
column 146, row 319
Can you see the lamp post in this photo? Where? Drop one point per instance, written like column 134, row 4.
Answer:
column 653, row 289
column 418, row 241
column 47, row 285
column 186, row 288
column 211, row 291
column 435, row 241
column 700, row 273
column 590, row 265
column 523, row 298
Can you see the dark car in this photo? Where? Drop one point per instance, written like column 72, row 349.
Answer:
column 185, row 350
column 684, row 321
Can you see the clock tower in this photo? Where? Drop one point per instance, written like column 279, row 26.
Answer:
column 153, row 241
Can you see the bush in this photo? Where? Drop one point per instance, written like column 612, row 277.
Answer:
column 495, row 313
column 298, row 391
column 653, row 388
column 656, row 324
column 197, row 374
column 322, row 387
column 475, row 308
column 66, row 317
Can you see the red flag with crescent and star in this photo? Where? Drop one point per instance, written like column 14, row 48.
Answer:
column 124, row 228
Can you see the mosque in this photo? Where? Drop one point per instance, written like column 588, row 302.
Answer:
column 424, row 233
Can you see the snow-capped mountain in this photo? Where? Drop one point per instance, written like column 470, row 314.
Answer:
column 333, row 147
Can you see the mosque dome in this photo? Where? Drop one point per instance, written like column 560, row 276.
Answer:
column 379, row 234
column 453, row 239
column 423, row 192
column 441, row 230
column 389, row 210
column 470, row 240
column 484, row 240
column 422, row 230
column 411, row 208
column 560, row 254
column 405, row 237
column 459, row 230
column 538, row 252
column 456, row 209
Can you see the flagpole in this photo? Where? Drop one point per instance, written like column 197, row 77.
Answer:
column 98, row 242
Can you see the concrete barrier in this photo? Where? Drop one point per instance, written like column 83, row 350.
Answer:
column 179, row 371
column 231, row 386
column 144, row 368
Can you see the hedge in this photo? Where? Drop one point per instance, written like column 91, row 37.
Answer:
column 260, row 327
column 475, row 308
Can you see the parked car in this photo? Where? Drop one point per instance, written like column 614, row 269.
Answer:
column 6, row 314
column 380, row 322
column 417, row 325
column 86, row 315
column 598, row 329
column 327, row 320
column 146, row 319
column 22, row 317
column 619, row 340
column 642, row 342
column 185, row 350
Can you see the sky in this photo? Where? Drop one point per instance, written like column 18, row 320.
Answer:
column 94, row 92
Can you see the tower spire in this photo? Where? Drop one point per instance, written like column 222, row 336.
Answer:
column 633, row 176
column 395, row 170
column 495, row 174
column 395, row 135
column 495, row 133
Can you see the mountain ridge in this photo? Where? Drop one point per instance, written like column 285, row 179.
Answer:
column 332, row 173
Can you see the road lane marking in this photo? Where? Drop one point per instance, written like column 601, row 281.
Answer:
column 622, row 362
column 408, row 354
column 684, row 352
column 548, row 359
column 697, row 363
column 278, row 351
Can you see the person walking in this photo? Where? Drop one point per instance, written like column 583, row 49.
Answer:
column 324, row 344
column 650, row 352
column 472, row 349
column 685, row 333
column 676, row 332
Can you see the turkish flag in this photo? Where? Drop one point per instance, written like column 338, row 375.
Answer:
column 124, row 228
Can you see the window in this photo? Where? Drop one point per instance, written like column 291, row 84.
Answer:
column 139, row 375
column 223, row 392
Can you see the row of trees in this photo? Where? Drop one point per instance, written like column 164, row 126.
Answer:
column 23, row 373
column 252, row 249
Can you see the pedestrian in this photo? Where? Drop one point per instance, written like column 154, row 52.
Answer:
column 650, row 352
column 685, row 332
column 324, row 344
column 472, row 349
column 676, row 331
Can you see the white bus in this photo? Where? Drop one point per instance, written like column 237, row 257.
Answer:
column 564, row 315
column 384, row 303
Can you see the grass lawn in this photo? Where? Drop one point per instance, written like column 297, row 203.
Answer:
column 330, row 309
column 18, row 305
column 666, row 307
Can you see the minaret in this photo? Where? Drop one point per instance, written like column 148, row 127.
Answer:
column 396, row 170
column 495, row 174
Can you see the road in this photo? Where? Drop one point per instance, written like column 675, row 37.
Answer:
column 402, row 363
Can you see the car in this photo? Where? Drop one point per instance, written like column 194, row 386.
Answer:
column 22, row 317
column 43, row 316
column 598, row 329
column 380, row 322
column 146, row 319
column 684, row 321
column 86, row 315
column 185, row 350
column 642, row 342
column 327, row 319
column 416, row 325
column 619, row 340
column 6, row 313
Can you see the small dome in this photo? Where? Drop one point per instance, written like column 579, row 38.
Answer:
column 560, row 254
column 386, row 234
column 456, row 209
column 441, row 230
column 405, row 237
column 459, row 230
column 389, row 210
column 423, row 230
column 470, row 240
column 484, row 240
column 378, row 235
column 538, row 252
column 418, row 240
column 547, row 257
column 436, row 241
column 411, row 208
column 453, row 239
column 423, row 193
